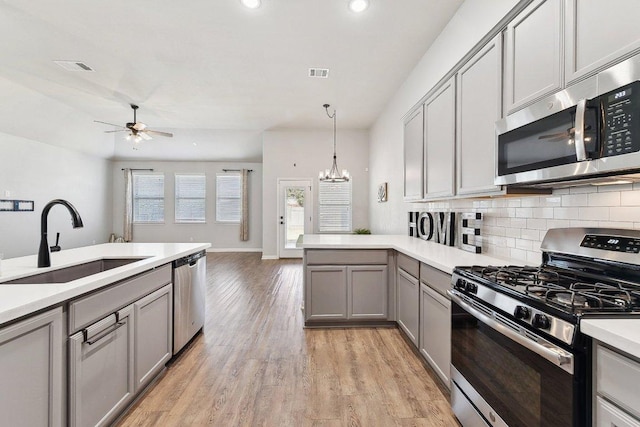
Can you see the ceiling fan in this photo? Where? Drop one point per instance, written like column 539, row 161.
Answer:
column 137, row 130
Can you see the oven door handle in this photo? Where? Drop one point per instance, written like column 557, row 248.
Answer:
column 554, row 354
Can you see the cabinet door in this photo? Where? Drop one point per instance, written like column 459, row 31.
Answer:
column 598, row 34
column 435, row 331
column 440, row 131
column 478, row 107
column 414, row 155
column 101, row 370
column 153, row 334
column 533, row 49
column 367, row 286
column 608, row 415
column 31, row 369
column 326, row 289
column 408, row 294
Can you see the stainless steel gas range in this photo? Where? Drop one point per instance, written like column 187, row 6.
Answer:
column 517, row 355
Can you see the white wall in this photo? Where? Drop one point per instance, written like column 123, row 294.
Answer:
column 221, row 236
column 32, row 170
column 302, row 154
column 473, row 20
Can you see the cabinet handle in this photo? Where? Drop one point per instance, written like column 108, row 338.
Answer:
column 104, row 333
column 578, row 133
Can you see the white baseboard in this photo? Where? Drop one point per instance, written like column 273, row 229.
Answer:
column 234, row 250
column 264, row 257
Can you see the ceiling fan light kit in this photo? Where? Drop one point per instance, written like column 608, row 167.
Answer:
column 251, row 4
column 333, row 174
column 358, row 6
column 137, row 131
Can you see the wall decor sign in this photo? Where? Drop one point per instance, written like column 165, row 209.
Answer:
column 448, row 228
column 16, row 205
column 382, row 192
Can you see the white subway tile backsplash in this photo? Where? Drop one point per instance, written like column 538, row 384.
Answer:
column 604, row 199
column 582, row 190
column 624, row 213
column 524, row 212
column 534, row 257
column 558, row 223
column 560, row 191
column 616, row 187
column 599, row 213
column 519, row 222
column 513, row 232
column 566, row 213
column 542, row 212
column 615, row 224
column 503, row 222
column 529, row 234
column 524, row 244
column 574, row 200
column 583, row 223
column 551, row 201
column 630, row 198
column 530, row 202
column 537, row 224
column 518, row 254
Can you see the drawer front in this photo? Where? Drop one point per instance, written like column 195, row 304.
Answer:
column 86, row 310
column 345, row 257
column 409, row 265
column 617, row 379
column 436, row 279
column 608, row 415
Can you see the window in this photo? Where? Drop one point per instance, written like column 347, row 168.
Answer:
column 190, row 198
column 148, row 198
column 334, row 207
column 228, row 197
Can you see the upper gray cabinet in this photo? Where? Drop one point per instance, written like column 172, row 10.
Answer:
column 533, row 54
column 414, row 155
column 440, row 127
column 479, row 102
column 598, row 34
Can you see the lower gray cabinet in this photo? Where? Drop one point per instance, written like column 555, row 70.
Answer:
column 101, row 363
column 153, row 337
column 435, row 331
column 408, row 300
column 367, row 287
column 31, row 367
column 326, row 293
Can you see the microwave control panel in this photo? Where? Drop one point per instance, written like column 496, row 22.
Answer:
column 621, row 109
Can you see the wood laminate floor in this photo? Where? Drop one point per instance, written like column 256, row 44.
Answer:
column 255, row 365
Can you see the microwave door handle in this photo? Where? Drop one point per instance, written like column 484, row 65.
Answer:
column 578, row 135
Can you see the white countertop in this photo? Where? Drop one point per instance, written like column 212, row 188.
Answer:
column 21, row 299
column 623, row 334
column 439, row 256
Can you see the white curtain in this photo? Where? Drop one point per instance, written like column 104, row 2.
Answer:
column 128, row 205
column 244, row 219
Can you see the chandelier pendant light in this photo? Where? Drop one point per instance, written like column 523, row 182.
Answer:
column 333, row 174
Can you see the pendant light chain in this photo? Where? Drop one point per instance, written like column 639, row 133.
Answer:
column 333, row 175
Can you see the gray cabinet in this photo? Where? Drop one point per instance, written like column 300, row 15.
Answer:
column 153, row 337
column 616, row 386
column 440, row 131
column 598, row 34
column 367, row 291
column 435, row 331
column 408, row 299
column 414, row 155
column 533, row 54
column 101, row 364
column 478, row 107
column 31, row 371
column 327, row 290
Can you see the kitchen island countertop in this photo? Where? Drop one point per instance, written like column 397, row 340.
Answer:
column 17, row 300
column 621, row 333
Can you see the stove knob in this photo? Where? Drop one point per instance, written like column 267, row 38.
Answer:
column 522, row 312
column 471, row 288
column 541, row 321
column 460, row 284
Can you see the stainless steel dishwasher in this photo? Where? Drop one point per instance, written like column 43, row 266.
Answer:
column 189, row 283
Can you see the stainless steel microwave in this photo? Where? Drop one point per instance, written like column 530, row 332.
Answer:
column 590, row 131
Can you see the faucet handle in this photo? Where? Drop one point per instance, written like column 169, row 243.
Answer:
column 56, row 247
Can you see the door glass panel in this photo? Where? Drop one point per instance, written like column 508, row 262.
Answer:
column 294, row 215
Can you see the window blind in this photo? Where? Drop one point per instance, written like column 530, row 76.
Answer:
column 228, row 197
column 334, row 207
column 148, row 198
column 190, row 193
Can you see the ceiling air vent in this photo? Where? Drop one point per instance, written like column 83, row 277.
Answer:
column 74, row 66
column 320, row 73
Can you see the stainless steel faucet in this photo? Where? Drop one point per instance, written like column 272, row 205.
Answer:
column 43, row 254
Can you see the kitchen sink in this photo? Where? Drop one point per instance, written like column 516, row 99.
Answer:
column 75, row 272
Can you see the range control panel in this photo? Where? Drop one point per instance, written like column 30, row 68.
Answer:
column 621, row 111
column 611, row 243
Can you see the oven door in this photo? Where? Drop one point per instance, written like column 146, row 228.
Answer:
column 509, row 376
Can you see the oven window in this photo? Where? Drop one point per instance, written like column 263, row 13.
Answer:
column 521, row 386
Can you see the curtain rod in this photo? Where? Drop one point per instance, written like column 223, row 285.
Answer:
column 150, row 170
column 236, row 170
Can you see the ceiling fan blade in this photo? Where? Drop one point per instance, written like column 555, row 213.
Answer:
column 110, row 124
column 157, row 132
column 139, row 126
column 117, row 130
column 144, row 135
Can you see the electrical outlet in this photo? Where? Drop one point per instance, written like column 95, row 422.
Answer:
column 7, row 194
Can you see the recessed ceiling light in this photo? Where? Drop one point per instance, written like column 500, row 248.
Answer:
column 358, row 5
column 251, row 4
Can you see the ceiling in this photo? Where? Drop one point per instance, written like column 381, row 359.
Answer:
column 211, row 71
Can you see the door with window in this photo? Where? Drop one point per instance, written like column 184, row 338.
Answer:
column 295, row 205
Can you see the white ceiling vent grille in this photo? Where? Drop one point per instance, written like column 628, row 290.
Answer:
column 320, row 73
column 74, row 66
